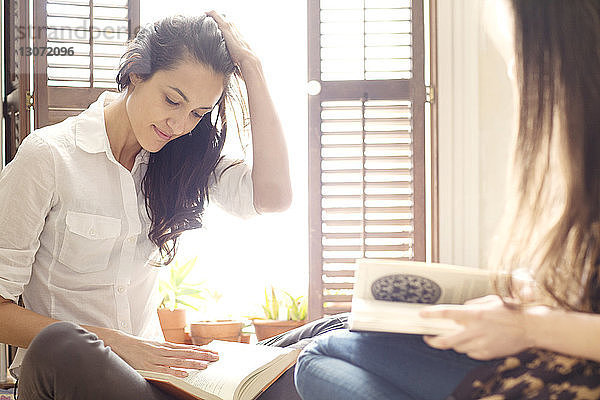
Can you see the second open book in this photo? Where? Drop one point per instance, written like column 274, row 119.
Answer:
column 388, row 295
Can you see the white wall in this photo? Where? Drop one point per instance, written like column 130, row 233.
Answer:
column 475, row 118
column 496, row 115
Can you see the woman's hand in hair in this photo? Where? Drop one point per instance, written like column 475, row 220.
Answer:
column 490, row 328
column 238, row 48
column 155, row 356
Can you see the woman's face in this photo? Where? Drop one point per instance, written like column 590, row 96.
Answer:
column 171, row 102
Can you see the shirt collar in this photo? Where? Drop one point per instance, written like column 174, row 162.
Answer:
column 90, row 128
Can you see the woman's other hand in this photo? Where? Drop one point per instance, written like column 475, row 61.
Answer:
column 238, row 48
column 166, row 357
column 490, row 328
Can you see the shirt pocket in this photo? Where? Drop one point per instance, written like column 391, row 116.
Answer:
column 89, row 240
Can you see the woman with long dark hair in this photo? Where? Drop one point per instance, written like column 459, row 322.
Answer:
column 538, row 338
column 90, row 206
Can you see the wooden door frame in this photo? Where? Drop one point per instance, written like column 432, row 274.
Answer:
column 16, row 101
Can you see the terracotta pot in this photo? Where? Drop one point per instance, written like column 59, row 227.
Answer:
column 172, row 324
column 245, row 338
column 266, row 328
column 204, row 332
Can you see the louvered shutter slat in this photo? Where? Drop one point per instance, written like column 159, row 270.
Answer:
column 337, row 299
column 365, row 40
column 337, row 274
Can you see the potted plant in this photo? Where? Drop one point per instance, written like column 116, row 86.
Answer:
column 296, row 315
column 247, row 331
column 205, row 331
column 175, row 292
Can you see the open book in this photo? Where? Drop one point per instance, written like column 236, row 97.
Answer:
column 388, row 295
column 242, row 372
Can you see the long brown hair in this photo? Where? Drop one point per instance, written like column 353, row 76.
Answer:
column 552, row 226
column 176, row 181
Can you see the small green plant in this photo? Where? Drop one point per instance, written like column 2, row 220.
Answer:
column 297, row 307
column 271, row 306
column 176, row 291
column 215, row 295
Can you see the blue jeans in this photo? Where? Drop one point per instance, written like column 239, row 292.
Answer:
column 351, row 365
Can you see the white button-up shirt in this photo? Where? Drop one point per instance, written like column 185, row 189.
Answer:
column 74, row 238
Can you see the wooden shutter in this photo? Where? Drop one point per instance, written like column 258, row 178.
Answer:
column 17, row 102
column 366, row 141
column 97, row 31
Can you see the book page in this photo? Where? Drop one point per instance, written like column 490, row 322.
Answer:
column 258, row 382
column 375, row 316
column 222, row 386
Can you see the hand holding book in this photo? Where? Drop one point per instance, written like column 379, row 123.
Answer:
column 489, row 328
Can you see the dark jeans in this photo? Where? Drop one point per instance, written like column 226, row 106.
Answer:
column 67, row 362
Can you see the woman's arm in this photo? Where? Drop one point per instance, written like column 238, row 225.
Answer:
column 573, row 333
column 18, row 327
column 491, row 330
column 270, row 168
